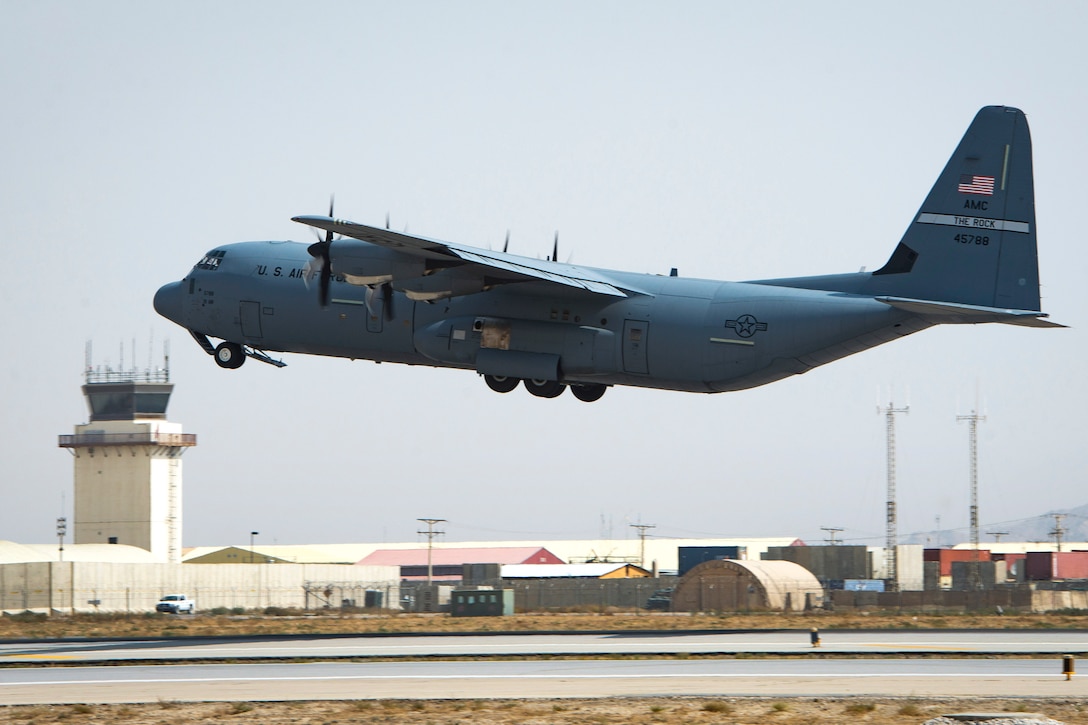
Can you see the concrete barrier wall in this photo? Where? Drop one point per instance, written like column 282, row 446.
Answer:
column 86, row 586
column 537, row 595
column 1009, row 600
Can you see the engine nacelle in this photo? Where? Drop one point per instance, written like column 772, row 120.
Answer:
column 361, row 263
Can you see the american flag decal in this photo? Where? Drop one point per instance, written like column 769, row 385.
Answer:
column 972, row 184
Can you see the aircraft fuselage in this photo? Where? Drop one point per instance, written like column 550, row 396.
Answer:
column 684, row 334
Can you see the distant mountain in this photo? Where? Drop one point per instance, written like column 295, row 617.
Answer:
column 1037, row 528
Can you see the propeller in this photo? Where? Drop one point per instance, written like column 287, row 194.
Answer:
column 555, row 248
column 506, row 244
column 322, row 262
column 386, row 291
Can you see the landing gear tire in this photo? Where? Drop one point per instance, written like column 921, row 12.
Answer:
column 501, row 383
column 545, row 388
column 588, row 393
column 229, row 355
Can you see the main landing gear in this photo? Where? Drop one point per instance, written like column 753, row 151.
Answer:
column 586, row 392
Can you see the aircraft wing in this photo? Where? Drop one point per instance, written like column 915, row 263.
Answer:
column 948, row 312
column 498, row 265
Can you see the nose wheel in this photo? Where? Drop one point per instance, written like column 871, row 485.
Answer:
column 229, row 355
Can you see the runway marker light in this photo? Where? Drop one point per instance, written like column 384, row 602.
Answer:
column 814, row 637
column 1067, row 667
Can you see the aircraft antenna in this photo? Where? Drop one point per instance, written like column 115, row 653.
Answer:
column 974, row 580
column 890, row 554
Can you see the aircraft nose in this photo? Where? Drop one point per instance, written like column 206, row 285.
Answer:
column 168, row 302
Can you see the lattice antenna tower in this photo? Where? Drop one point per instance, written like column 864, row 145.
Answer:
column 891, row 558
column 973, row 419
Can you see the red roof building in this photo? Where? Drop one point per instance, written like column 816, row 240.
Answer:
column 447, row 563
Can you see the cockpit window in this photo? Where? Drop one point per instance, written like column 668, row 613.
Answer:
column 211, row 260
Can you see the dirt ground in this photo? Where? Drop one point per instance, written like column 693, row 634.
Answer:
column 628, row 711
column 40, row 626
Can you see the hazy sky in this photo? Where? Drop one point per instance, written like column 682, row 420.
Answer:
column 733, row 141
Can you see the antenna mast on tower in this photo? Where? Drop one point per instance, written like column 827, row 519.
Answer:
column 892, row 537
column 974, row 579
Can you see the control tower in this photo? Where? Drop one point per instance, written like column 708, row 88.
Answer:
column 128, row 462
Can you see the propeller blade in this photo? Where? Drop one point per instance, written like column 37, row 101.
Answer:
column 506, row 244
column 555, row 248
column 368, row 298
column 387, row 300
column 321, row 261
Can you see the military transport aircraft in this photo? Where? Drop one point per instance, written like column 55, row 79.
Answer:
column 968, row 256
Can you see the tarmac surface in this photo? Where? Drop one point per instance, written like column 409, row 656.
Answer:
column 540, row 679
column 784, row 663
column 794, row 642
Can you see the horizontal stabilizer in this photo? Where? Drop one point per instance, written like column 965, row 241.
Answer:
column 954, row 313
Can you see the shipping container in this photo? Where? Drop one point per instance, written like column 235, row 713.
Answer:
column 945, row 557
column 1052, row 565
column 863, row 585
column 693, row 556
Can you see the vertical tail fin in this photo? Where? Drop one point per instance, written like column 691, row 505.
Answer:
column 973, row 240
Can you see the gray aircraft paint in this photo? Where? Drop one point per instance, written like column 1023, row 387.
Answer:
column 969, row 255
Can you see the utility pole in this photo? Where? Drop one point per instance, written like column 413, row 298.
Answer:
column 974, row 578
column 430, row 533
column 997, row 535
column 892, row 534
column 831, row 530
column 1057, row 532
column 642, row 541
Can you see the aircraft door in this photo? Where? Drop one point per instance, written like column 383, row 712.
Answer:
column 250, row 315
column 635, row 338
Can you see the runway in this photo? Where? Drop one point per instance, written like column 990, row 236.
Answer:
column 853, row 642
column 788, row 665
column 540, row 679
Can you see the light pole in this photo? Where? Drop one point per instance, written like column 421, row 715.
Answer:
column 62, row 529
column 251, row 535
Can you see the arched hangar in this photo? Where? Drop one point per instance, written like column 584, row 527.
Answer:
column 726, row 585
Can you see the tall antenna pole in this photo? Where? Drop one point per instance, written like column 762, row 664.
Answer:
column 642, row 541
column 892, row 537
column 430, row 534
column 974, row 579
